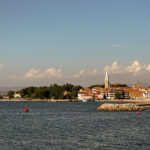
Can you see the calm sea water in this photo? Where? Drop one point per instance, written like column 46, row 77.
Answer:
column 71, row 126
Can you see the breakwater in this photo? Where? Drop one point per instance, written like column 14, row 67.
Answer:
column 123, row 107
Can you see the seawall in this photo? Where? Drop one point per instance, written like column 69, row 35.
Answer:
column 123, row 107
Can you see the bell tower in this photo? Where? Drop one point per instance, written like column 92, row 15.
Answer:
column 107, row 83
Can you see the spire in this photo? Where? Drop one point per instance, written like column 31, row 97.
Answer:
column 107, row 84
column 106, row 77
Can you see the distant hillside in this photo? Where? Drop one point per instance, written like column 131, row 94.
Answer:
column 4, row 90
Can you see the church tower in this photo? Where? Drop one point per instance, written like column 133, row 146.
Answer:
column 107, row 84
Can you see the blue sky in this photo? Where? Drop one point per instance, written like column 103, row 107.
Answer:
column 77, row 39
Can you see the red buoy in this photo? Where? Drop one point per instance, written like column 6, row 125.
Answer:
column 26, row 109
column 138, row 112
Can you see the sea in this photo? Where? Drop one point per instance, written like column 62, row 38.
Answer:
column 71, row 126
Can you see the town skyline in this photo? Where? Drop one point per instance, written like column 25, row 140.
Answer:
column 46, row 42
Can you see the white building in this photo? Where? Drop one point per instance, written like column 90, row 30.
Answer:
column 146, row 94
column 84, row 97
column 111, row 95
column 17, row 95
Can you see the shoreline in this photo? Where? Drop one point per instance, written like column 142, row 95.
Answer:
column 34, row 100
column 74, row 100
column 125, row 100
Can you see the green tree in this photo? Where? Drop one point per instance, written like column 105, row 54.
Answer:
column 75, row 90
column 67, row 87
column 120, row 85
column 27, row 92
column 43, row 92
column 97, row 85
column 56, row 92
column 11, row 94
column 118, row 95
column 53, row 91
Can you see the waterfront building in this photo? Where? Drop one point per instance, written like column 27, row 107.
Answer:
column 17, row 95
column 146, row 94
column 5, row 97
column 126, row 95
column 109, row 92
column 85, row 94
column 96, row 90
column 85, row 98
column 135, row 94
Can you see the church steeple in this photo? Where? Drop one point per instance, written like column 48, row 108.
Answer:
column 106, row 77
column 107, row 84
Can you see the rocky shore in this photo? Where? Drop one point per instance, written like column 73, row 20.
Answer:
column 123, row 107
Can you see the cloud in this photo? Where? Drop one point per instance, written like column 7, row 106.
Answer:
column 86, row 74
column 81, row 73
column 49, row 73
column 148, row 68
column 136, row 67
column 1, row 66
column 117, row 46
column 32, row 73
column 114, row 68
column 93, row 72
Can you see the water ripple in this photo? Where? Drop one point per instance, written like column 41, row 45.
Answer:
column 71, row 126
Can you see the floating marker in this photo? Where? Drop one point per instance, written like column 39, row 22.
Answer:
column 26, row 109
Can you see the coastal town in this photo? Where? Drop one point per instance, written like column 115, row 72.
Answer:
column 114, row 91
column 74, row 75
column 69, row 92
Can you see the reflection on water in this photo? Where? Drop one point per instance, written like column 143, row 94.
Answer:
column 52, row 126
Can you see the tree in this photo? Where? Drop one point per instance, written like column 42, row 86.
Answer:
column 43, row 92
column 56, row 92
column 118, row 95
column 53, row 91
column 97, row 85
column 1, row 97
column 11, row 94
column 67, row 87
column 27, row 92
column 119, row 85
column 75, row 90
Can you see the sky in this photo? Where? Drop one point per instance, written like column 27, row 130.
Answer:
column 74, row 41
